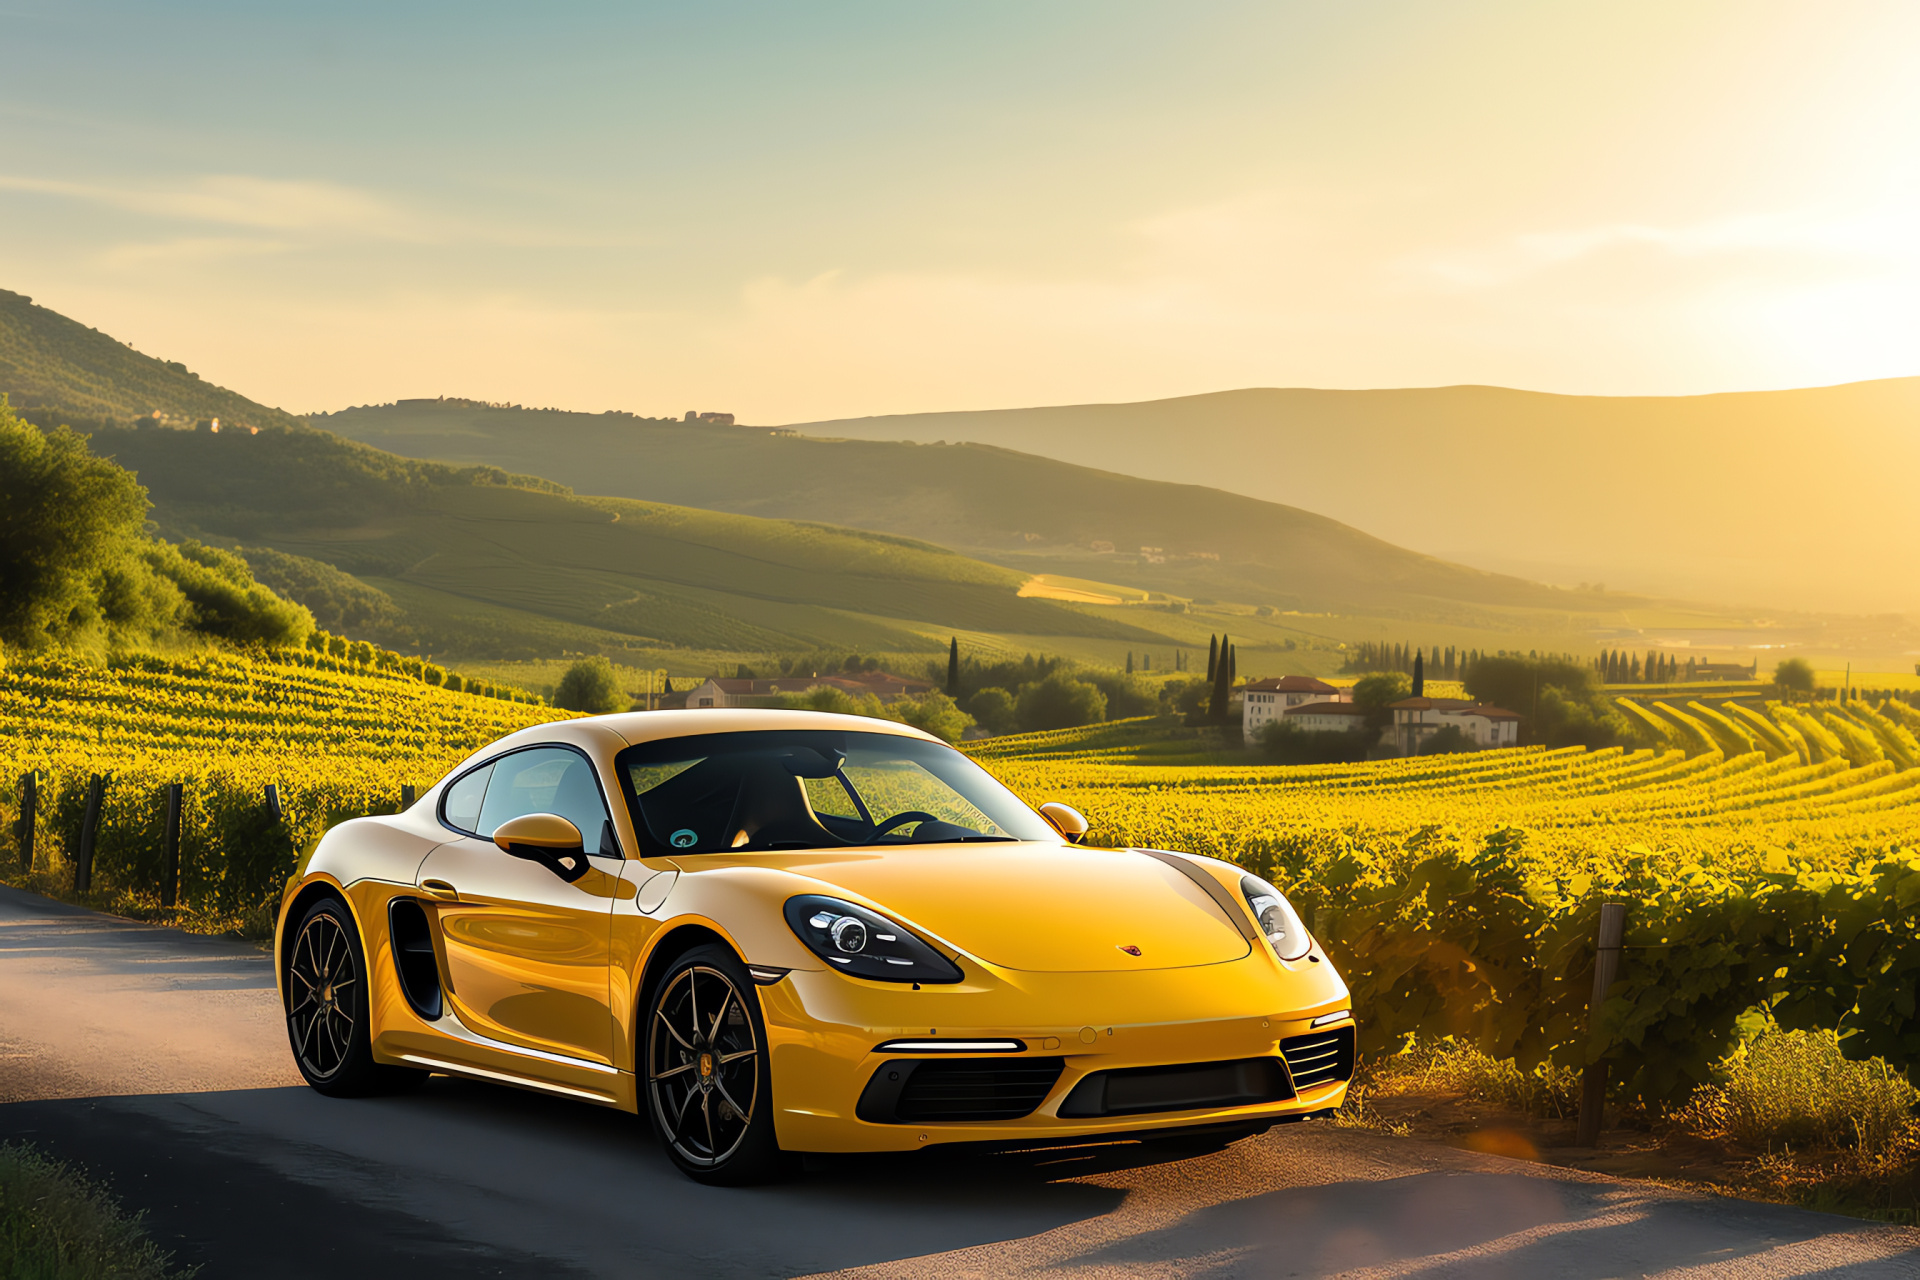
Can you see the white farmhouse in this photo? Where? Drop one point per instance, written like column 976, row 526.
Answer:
column 1264, row 701
column 1416, row 720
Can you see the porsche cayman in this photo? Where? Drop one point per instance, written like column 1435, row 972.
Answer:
column 778, row 932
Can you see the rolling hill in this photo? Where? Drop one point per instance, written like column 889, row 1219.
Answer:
column 482, row 564
column 52, row 367
column 1036, row 514
column 1795, row 499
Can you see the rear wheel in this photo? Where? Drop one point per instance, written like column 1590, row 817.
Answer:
column 708, row 1086
column 327, row 1008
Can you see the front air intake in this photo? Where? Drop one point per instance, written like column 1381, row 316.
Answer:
column 1320, row 1058
column 1193, row 1086
column 957, row 1090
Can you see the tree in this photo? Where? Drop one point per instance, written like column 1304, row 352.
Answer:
column 993, row 709
column 66, row 519
column 1129, row 662
column 590, row 685
column 1379, row 691
column 1059, row 702
column 1222, row 683
column 1419, row 675
column 1794, row 677
column 953, row 667
column 1213, row 657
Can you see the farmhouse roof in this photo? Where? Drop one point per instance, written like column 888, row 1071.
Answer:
column 1290, row 684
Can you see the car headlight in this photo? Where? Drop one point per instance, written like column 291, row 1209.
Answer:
column 865, row 943
column 1277, row 918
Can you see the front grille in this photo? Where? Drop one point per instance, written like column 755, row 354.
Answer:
column 1319, row 1058
column 957, row 1090
column 1196, row 1086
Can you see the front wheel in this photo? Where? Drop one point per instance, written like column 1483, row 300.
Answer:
column 327, row 1008
column 708, row 1084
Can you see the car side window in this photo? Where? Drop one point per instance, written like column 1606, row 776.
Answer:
column 549, row 780
column 460, row 808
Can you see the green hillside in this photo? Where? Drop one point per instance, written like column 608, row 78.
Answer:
column 478, row 563
column 1035, row 514
column 52, row 367
column 1797, row 498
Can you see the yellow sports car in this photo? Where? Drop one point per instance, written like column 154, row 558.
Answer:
column 783, row 931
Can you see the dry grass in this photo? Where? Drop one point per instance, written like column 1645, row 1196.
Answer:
column 1792, row 1090
column 1546, row 1092
column 57, row 1225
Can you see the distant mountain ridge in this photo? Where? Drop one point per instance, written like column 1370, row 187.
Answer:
column 1798, row 498
column 51, row 366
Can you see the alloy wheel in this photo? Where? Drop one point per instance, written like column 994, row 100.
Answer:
column 324, row 977
column 703, row 1065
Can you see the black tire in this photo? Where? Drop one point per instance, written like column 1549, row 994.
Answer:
column 708, row 1082
column 327, row 1008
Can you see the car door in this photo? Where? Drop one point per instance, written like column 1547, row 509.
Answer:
column 526, row 951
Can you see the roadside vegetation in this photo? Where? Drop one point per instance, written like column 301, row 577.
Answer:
column 56, row 1224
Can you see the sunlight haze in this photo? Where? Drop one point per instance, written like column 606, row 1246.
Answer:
column 798, row 214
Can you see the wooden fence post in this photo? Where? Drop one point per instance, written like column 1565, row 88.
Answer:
column 273, row 800
column 170, row 849
column 407, row 796
column 89, row 832
column 29, row 801
column 1606, row 968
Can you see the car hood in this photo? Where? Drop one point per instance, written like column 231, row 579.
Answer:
column 1040, row 907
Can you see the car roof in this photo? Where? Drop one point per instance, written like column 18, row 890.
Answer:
column 651, row 726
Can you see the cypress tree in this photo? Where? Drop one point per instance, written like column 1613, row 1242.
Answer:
column 1222, row 682
column 953, row 667
column 1233, row 664
column 1419, row 676
column 1213, row 656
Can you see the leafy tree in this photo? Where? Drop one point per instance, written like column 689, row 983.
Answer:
column 1379, row 691
column 1794, row 676
column 223, row 598
column 590, row 685
column 934, row 713
column 66, row 519
column 993, row 709
column 1557, row 698
column 1059, row 702
column 1127, row 695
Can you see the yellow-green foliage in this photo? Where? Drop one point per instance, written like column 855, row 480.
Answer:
column 336, row 744
column 1797, row 1089
column 1459, row 894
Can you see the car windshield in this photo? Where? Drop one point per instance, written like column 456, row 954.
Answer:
column 814, row 789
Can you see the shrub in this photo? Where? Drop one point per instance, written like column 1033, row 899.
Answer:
column 1286, row 742
column 1788, row 1089
column 993, row 708
column 590, row 685
column 1059, row 702
column 56, row 1224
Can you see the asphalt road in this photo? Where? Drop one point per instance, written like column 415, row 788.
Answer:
column 158, row 1061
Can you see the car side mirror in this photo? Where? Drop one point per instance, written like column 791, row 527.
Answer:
column 1066, row 820
column 545, row 838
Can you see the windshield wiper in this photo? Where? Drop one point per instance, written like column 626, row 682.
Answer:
column 978, row 839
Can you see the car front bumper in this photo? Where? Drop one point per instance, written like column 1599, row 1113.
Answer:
column 825, row 1032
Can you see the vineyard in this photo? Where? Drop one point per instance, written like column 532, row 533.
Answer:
column 1769, row 856
column 1767, row 852
column 334, row 736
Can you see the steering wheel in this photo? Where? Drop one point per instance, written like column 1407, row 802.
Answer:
column 900, row 820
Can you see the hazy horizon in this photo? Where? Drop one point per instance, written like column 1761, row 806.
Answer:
column 862, row 209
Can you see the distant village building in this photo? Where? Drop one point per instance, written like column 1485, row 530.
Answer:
column 1722, row 670
column 1327, row 717
column 711, row 419
column 1416, row 720
column 1264, row 701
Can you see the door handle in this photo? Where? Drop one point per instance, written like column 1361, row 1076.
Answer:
column 441, row 889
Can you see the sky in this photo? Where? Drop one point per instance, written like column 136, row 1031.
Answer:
column 800, row 212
